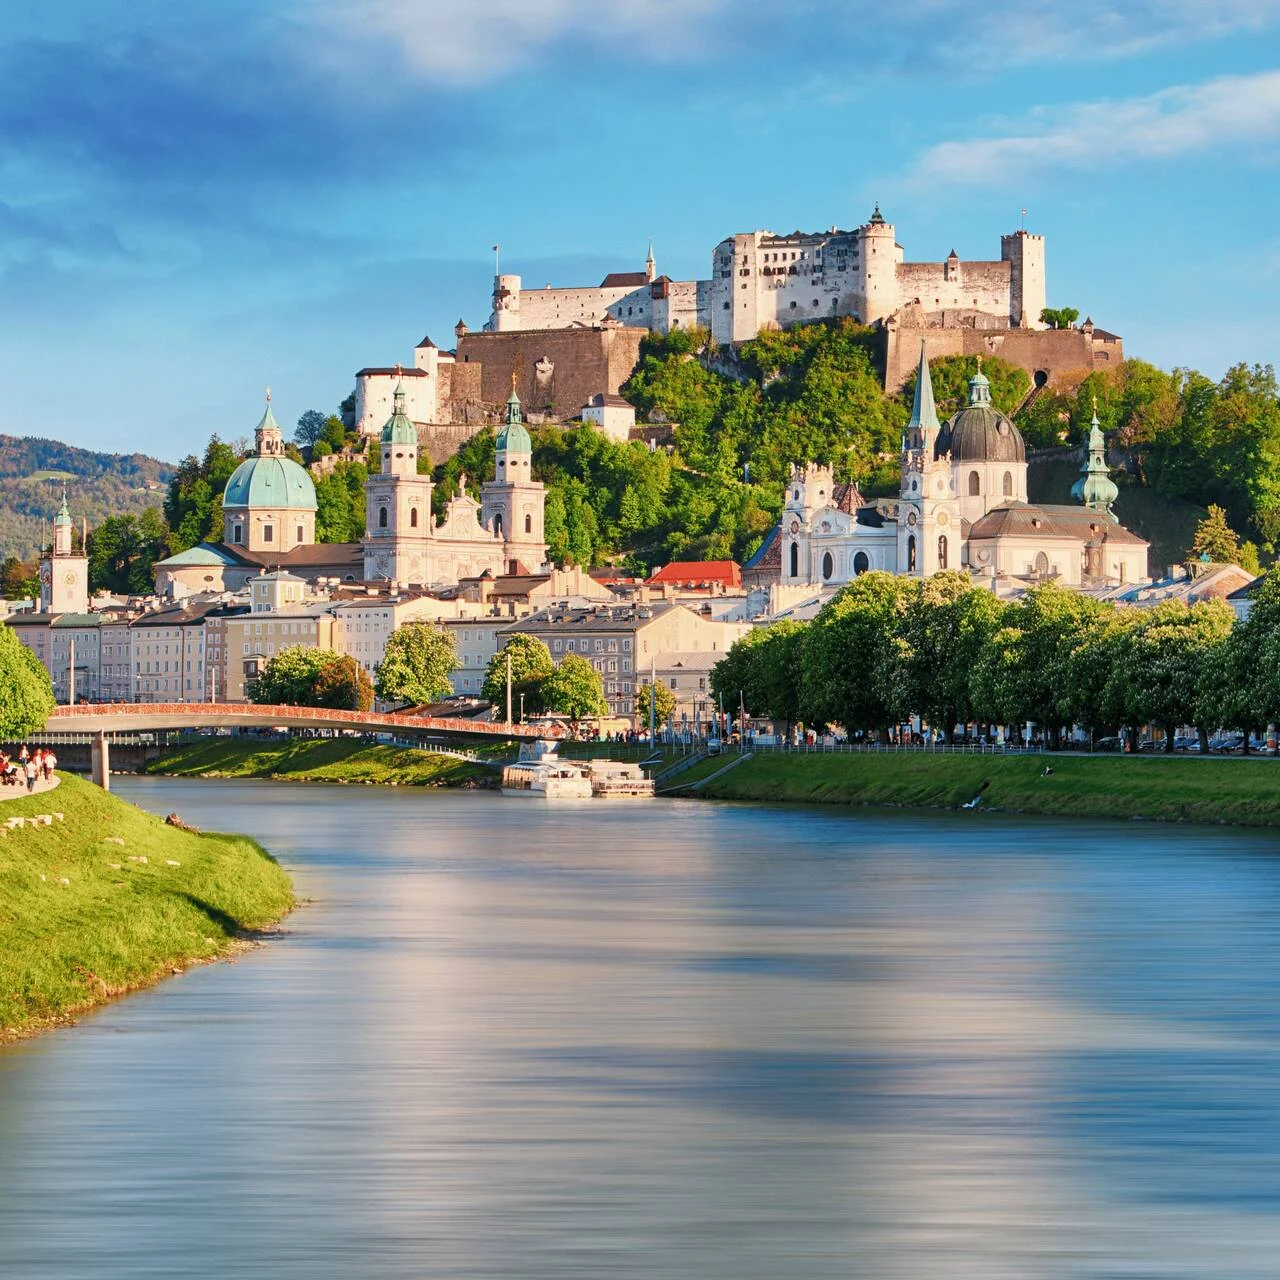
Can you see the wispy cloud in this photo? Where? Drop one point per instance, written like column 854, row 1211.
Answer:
column 475, row 40
column 1226, row 113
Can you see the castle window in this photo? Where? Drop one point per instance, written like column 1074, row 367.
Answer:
column 382, row 517
column 413, row 518
column 942, row 551
column 975, row 484
column 860, row 563
column 828, row 566
column 1008, row 484
column 795, row 559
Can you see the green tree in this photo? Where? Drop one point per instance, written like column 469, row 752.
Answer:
column 26, row 693
column 1059, row 317
column 664, row 706
column 1215, row 539
column 20, row 579
column 574, row 689
column 531, row 663
column 193, row 505
column 950, row 376
column 289, row 677
column 340, row 503
column 310, row 427
column 416, row 665
column 123, row 550
column 851, row 652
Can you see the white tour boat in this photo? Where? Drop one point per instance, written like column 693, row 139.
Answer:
column 540, row 772
column 613, row 779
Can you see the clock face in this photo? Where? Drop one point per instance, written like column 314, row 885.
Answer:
column 69, row 578
column 942, row 517
column 795, row 526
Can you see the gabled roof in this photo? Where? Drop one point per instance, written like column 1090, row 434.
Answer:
column 1022, row 520
column 624, row 280
column 689, row 571
column 204, row 554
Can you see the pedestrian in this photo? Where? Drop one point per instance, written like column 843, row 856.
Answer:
column 30, row 769
column 24, row 754
column 50, row 764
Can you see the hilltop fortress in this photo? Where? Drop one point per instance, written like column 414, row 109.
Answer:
column 565, row 345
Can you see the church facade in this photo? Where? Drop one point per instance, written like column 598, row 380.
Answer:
column 962, row 504
column 269, row 508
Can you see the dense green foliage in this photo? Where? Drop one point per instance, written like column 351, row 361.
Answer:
column 110, row 899
column 416, row 664
column 33, row 472
column 664, row 705
column 26, row 693
column 122, row 550
column 340, row 505
column 885, row 648
column 531, row 664
column 303, row 677
column 574, row 689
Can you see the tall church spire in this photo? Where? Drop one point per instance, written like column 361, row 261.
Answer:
column 1095, row 488
column 924, row 413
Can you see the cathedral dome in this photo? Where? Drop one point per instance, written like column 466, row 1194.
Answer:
column 270, row 480
column 980, row 432
column 278, row 483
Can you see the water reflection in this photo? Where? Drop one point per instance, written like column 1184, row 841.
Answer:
column 677, row 1040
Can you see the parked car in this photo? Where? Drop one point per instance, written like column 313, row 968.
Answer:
column 1109, row 744
column 1226, row 742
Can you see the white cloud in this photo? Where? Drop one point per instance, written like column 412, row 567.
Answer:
column 467, row 41
column 1182, row 120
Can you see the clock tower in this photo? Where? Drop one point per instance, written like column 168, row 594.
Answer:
column 929, row 530
column 64, row 572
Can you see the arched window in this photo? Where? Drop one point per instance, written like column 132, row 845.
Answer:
column 860, row 563
column 413, row 517
column 828, row 566
column 975, row 485
column 301, row 534
column 1042, row 562
column 382, row 517
column 911, row 553
column 237, row 533
column 1008, row 484
column 497, row 524
column 795, row 559
column 942, row 551
column 528, row 522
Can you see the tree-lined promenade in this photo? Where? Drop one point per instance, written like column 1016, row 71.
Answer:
column 886, row 648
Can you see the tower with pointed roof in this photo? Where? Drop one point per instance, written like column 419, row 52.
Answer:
column 929, row 530
column 398, row 521
column 64, row 571
column 1095, row 488
column 269, row 503
column 513, row 502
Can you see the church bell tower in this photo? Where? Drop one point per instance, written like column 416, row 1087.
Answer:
column 929, row 530
column 64, row 572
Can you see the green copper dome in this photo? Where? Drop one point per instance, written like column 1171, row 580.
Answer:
column 1095, row 488
column 270, row 479
column 513, row 438
column 64, row 515
column 399, row 428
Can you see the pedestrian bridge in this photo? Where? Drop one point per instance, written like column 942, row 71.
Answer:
column 107, row 722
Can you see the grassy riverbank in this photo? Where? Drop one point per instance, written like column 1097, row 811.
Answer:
column 111, row 899
column 320, row 760
column 1178, row 790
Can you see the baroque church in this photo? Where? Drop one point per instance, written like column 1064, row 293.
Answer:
column 269, row 513
column 962, row 504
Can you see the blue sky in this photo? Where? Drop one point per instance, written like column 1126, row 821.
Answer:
column 200, row 200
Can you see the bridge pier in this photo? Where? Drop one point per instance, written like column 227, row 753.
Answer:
column 100, row 761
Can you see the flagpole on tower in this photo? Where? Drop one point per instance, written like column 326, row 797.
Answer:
column 496, row 270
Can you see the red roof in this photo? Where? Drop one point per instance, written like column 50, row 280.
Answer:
column 691, row 572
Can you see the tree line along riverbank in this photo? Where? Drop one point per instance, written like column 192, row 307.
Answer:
column 108, row 899
column 1181, row 789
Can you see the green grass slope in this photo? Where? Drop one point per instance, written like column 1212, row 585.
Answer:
column 1244, row 791
column 111, row 899
column 320, row 760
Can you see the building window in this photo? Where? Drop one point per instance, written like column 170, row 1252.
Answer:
column 795, row 559
column 268, row 533
column 528, row 523
column 413, row 517
column 301, row 534
column 942, row 551
column 860, row 563
column 1008, row 484
column 382, row 517
column 555, row 644
column 497, row 524
column 911, row 553
column 828, row 566
column 975, row 484
column 237, row 533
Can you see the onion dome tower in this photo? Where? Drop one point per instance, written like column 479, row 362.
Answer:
column 988, row 454
column 1095, row 488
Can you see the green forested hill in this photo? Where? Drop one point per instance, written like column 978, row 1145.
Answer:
column 33, row 471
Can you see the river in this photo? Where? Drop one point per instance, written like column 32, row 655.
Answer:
column 508, row 1039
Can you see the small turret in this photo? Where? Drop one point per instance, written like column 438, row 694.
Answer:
column 650, row 266
column 267, row 435
column 1095, row 488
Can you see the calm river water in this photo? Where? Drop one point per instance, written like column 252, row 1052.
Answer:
column 510, row 1039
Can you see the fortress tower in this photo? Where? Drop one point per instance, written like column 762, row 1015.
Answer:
column 1025, row 255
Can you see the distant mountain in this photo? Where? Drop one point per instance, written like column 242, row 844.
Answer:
column 33, row 471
